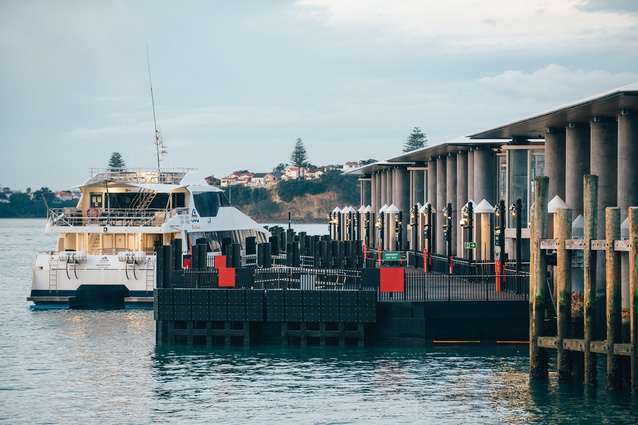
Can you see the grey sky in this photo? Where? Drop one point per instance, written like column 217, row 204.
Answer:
column 236, row 83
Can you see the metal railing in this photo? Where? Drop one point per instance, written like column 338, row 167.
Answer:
column 124, row 217
column 430, row 287
column 443, row 287
column 139, row 175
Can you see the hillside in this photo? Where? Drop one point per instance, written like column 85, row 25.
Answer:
column 306, row 208
column 306, row 200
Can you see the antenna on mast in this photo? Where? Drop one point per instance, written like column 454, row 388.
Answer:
column 159, row 143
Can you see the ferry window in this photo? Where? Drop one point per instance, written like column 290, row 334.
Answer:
column 179, row 200
column 96, row 200
column 207, row 203
column 224, row 200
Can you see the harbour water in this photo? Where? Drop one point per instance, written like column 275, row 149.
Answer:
column 84, row 367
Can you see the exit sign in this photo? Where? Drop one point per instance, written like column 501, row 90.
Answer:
column 470, row 245
column 391, row 256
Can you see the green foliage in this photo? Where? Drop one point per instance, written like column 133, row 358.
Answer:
column 264, row 207
column 299, row 156
column 281, row 168
column 416, row 140
column 24, row 205
column 241, row 196
column 116, row 163
column 290, row 189
column 346, row 187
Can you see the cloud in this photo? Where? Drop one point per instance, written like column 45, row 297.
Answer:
column 613, row 6
column 466, row 23
column 555, row 83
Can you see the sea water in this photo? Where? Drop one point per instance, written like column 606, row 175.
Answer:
column 104, row 367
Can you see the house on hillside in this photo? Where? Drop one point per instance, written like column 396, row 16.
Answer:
column 351, row 165
column 213, row 181
column 66, row 196
column 265, row 179
column 238, row 177
column 293, row 173
column 314, row 174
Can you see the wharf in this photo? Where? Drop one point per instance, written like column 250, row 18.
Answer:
column 218, row 304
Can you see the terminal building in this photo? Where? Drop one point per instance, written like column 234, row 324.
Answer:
column 416, row 200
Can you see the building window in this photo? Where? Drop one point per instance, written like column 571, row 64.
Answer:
column 502, row 178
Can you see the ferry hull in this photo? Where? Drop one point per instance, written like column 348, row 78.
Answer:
column 100, row 281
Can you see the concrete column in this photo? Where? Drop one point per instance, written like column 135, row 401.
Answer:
column 627, row 162
column 555, row 161
column 461, row 199
column 604, row 163
column 470, row 176
column 432, row 197
column 484, row 176
column 441, row 202
column 627, row 183
column 376, row 192
column 577, row 164
column 366, row 191
column 517, row 173
column 401, row 197
column 451, row 197
column 388, row 187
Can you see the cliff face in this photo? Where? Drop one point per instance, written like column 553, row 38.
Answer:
column 307, row 208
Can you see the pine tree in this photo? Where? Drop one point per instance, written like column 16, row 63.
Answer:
column 116, row 163
column 416, row 140
column 299, row 157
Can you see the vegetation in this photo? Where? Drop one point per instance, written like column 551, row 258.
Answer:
column 416, row 140
column 346, row 187
column 299, row 156
column 28, row 206
column 116, row 163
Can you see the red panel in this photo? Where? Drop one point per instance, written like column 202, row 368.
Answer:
column 226, row 277
column 392, row 279
column 220, row 262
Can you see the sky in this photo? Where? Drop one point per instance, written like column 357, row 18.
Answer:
column 235, row 84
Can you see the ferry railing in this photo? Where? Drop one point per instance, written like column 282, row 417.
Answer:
column 139, row 175
column 123, row 217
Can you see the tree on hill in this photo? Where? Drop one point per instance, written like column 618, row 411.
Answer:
column 299, row 156
column 281, row 168
column 416, row 140
column 116, row 163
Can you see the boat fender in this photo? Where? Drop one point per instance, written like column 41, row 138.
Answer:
column 72, row 256
column 92, row 212
column 130, row 257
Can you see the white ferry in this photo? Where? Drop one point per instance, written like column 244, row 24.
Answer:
column 105, row 253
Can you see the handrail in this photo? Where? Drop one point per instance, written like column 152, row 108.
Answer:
column 139, row 175
column 112, row 217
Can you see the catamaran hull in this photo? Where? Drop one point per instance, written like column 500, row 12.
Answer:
column 94, row 281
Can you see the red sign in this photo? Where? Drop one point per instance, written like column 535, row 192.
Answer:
column 392, row 279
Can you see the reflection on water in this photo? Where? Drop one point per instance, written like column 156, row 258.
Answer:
column 79, row 367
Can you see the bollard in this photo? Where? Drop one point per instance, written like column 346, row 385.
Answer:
column 275, row 244
column 590, row 212
column 614, row 301
column 563, row 232
column 236, row 257
column 538, row 363
column 633, row 297
column 251, row 245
